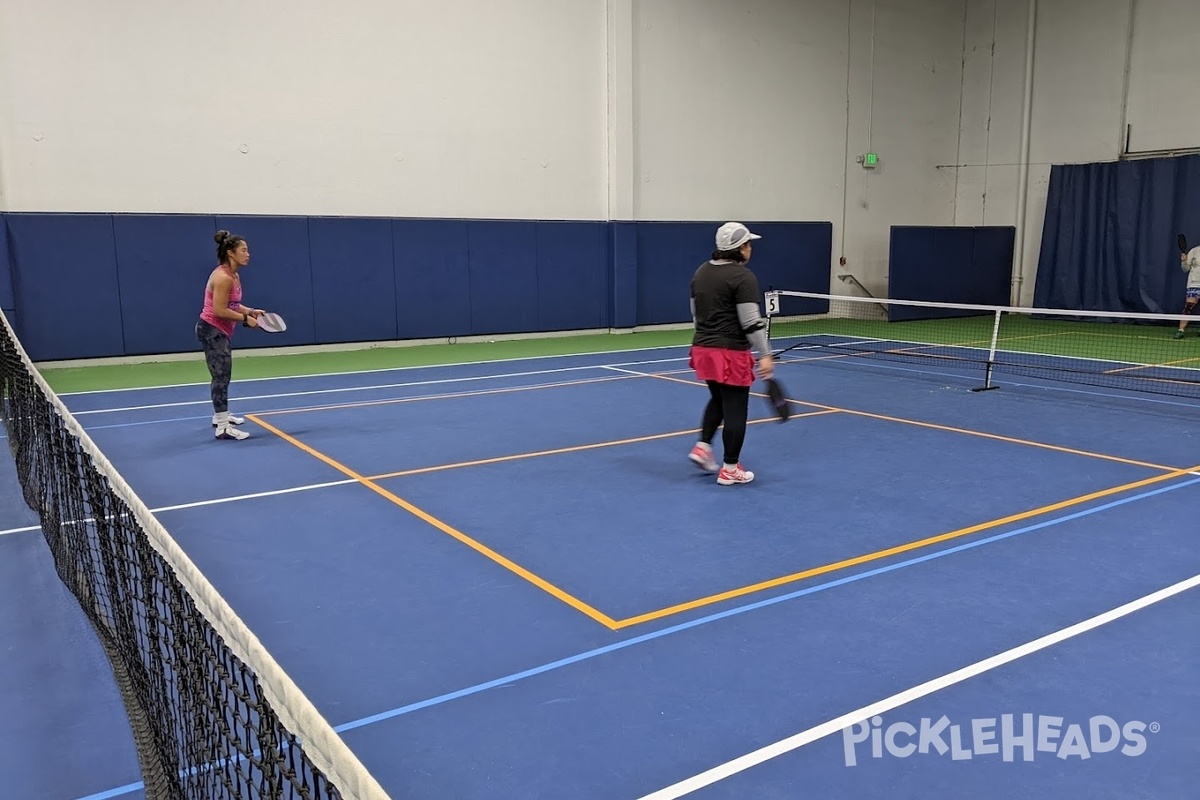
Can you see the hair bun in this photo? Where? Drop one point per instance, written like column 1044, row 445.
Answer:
column 220, row 236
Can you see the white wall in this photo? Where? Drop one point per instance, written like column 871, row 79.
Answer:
column 1078, row 86
column 1092, row 75
column 587, row 109
column 758, row 110
column 1163, row 108
column 905, row 74
column 363, row 107
column 594, row 109
column 739, row 109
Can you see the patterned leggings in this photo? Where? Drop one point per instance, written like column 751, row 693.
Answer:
column 220, row 362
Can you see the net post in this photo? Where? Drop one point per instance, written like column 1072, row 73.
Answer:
column 991, row 359
column 771, row 306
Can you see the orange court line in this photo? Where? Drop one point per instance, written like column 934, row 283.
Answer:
column 891, row 551
column 572, row 449
column 613, row 624
column 512, row 566
column 948, row 428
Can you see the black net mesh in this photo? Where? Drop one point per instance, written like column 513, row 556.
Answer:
column 1139, row 353
column 202, row 725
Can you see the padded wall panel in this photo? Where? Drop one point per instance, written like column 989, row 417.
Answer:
column 623, row 280
column 946, row 264
column 433, row 279
column 990, row 279
column 163, row 264
column 668, row 254
column 354, row 283
column 791, row 255
column 572, row 275
column 928, row 263
column 504, row 286
column 278, row 278
column 65, row 287
column 6, row 292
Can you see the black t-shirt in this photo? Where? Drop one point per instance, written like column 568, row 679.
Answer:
column 717, row 288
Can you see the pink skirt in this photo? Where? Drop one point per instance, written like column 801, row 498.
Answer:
column 731, row 367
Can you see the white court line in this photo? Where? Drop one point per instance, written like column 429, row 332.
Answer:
column 447, row 396
column 256, row 495
column 303, row 376
column 274, row 492
column 781, row 747
column 26, row 529
column 217, row 501
column 409, row 384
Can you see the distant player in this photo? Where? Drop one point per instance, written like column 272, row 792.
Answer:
column 222, row 311
column 725, row 313
column 1190, row 262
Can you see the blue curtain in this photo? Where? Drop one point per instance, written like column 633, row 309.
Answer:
column 1109, row 237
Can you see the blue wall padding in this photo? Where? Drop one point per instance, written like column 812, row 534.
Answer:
column 7, row 303
column 668, row 254
column 948, row 265
column 6, row 293
column 433, row 278
column 163, row 263
column 65, row 286
column 504, row 287
column 278, row 278
column 792, row 256
column 134, row 284
column 354, row 284
column 991, row 277
column 623, row 274
column 572, row 275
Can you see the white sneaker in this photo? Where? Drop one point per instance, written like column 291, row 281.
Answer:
column 729, row 475
column 232, row 419
column 230, row 432
column 225, row 427
column 702, row 457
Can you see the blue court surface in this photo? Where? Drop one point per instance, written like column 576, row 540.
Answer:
column 506, row 580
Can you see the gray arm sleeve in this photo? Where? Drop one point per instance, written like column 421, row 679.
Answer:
column 755, row 327
column 693, row 304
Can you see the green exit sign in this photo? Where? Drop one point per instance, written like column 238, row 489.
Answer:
column 870, row 159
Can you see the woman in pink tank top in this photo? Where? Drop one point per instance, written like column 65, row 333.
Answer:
column 222, row 311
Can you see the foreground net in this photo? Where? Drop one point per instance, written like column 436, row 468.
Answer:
column 1127, row 351
column 212, row 714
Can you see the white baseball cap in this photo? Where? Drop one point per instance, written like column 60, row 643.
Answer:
column 733, row 235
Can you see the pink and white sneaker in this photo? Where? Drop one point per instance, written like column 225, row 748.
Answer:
column 702, row 457
column 728, row 475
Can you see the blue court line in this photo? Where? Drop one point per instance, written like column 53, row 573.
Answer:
column 746, row 608
column 616, row 646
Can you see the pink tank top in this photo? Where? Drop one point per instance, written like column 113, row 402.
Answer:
column 226, row 326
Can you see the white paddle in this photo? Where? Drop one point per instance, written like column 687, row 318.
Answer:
column 271, row 322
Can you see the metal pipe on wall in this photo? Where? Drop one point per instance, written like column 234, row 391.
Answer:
column 1023, row 176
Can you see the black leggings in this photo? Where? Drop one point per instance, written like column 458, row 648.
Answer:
column 220, row 362
column 728, row 404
